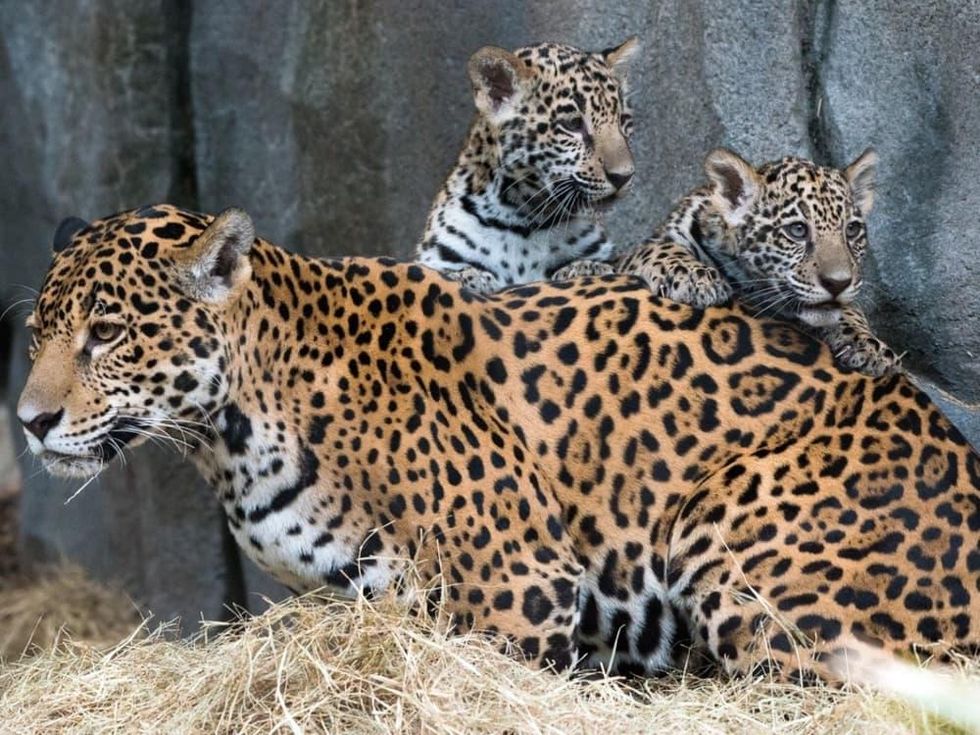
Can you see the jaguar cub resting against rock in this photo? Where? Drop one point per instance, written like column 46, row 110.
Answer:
column 788, row 238
column 590, row 470
column 549, row 143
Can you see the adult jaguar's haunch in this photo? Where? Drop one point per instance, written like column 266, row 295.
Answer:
column 585, row 467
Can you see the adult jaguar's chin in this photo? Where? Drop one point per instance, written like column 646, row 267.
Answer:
column 71, row 466
column 123, row 434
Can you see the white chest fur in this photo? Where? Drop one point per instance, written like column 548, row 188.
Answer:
column 289, row 513
column 499, row 243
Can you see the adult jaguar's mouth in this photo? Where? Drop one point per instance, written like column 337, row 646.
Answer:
column 122, row 433
column 90, row 462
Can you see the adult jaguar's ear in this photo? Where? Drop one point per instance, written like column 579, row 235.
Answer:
column 861, row 176
column 619, row 57
column 734, row 184
column 69, row 227
column 499, row 81
column 215, row 265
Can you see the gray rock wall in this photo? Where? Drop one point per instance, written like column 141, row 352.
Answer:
column 334, row 123
column 93, row 121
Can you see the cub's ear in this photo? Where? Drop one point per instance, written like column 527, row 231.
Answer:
column 499, row 80
column 861, row 176
column 619, row 57
column 69, row 227
column 734, row 183
column 216, row 264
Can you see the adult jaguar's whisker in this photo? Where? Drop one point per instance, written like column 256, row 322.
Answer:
column 88, row 482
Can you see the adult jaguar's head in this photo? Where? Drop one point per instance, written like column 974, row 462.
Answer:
column 556, row 123
column 126, row 333
column 798, row 232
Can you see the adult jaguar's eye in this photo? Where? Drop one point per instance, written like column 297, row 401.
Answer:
column 797, row 230
column 574, row 125
column 103, row 332
column 853, row 228
column 33, row 344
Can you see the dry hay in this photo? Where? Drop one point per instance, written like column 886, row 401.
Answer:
column 308, row 665
column 44, row 605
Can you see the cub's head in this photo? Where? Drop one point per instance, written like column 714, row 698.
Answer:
column 797, row 230
column 557, row 124
column 126, row 340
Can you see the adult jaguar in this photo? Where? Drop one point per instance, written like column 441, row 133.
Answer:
column 586, row 467
column 550, row 142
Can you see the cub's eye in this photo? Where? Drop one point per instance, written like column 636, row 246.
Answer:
column 853, row 228
column 797, row 230
column 574, row 125
column 103, row 332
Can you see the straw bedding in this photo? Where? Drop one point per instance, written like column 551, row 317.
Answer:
column 311, row 665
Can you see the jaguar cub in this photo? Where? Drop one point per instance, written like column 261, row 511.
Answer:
column 549, row 144
column 788, row 238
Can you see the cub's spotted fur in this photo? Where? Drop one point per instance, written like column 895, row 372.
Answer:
column 549, row 143
column 788, row 238
column 586, row 468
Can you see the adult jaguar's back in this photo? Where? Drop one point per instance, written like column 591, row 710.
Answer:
column 588, row 467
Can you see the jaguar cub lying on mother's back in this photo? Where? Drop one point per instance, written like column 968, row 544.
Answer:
column 549, row 143
column 787, row 238
column 586, row 468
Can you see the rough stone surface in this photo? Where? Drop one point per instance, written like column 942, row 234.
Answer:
column 334, row 123
column 91, row 124
column 906, row 77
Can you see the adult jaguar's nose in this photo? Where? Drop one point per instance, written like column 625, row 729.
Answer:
column 40, row 424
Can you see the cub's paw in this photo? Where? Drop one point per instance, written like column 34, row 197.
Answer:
column 583, row 268
column 867, row 354
column 698, row 285
column 477, row 279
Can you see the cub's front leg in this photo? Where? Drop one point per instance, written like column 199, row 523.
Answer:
column 855, row 346
column 475, row 279
column 673, row 272
column 583, row 267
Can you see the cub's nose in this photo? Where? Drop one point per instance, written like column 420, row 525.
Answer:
column 835, row 285
column 619, row 179
column 41, row 424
